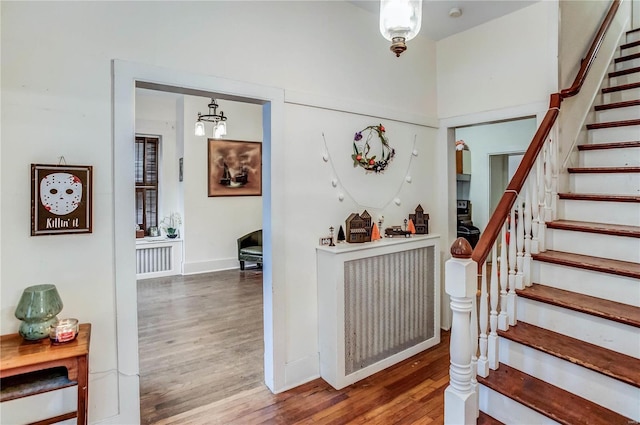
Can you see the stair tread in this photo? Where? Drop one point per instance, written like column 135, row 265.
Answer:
column 624, row 72
column 612, row 124
column 618, row 312
column 585, row 170
column 621, row 87
column 630, row 45
column 615, row 105
column 557, row 404
column 605, row 197
column 612, row 145
column 591, row 227
column 610, row 363
column 484, row 419
column 627, row 58
column 604, row 265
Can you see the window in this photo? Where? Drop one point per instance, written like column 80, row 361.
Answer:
column 146, row 174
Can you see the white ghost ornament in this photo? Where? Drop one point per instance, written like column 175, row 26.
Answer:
column 60, row 193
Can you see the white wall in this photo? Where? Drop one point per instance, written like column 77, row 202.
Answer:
column 507, row 62
column 57, row 66
column 486, row 140
column 213, row 225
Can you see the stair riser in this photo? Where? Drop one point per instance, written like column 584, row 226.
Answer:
column 628, row 51
column 614, row 134
column 603, row 390
column 508, row 411
column 633, row 63
column 623, row 157
column 608, row 286
column 618, row 114
column 624, row 79
column 631, row 37
column 594, row 244
column 611, row 183
column 605, row 333
column 600, row 212
column 620, row 96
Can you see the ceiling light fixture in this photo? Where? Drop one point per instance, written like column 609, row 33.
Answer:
column 220, row 127
column 400, row 21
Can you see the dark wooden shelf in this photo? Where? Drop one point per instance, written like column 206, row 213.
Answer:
column 32, row 383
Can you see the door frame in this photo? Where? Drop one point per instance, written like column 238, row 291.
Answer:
column 126, row 76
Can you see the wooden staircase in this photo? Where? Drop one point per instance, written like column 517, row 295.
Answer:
column 574, row 356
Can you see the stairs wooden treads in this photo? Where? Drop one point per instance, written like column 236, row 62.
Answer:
column 549, row 400
column 599, row 197
column 621, row 87
column 610, row 363
column 485, row 419
column 630, row 45
column 617, row 105
column 624, row 72
column 611, row 310
column 601, row 170
column 612, row 145
column 601, row 228
column 612, row 124
column 627, row 58
column 604, row 265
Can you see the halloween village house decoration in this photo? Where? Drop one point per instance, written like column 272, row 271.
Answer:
column 359, row 227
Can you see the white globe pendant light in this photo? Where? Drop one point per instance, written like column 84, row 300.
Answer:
column 400, row 21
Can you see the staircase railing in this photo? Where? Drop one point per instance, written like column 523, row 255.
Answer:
column 514, row 232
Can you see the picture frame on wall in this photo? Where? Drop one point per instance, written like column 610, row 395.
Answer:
column 61, row 199
column 234, row 168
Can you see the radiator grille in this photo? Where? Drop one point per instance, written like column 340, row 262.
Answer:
column 388, row 305
column 154, row 259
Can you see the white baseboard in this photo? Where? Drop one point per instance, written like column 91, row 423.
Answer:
column 196, row 267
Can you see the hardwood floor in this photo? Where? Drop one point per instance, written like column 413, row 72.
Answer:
column 201, row 363
column 200, row 340
column 411, row 392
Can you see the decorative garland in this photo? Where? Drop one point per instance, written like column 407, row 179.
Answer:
column 369, row 163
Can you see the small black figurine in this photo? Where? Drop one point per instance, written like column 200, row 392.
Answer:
column 341, row 237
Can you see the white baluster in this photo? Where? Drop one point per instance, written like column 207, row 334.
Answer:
column 554, row 179
column 520, row 244
column 461, row 282
column 548, row 216
column 473, row 340
column 526, row 270
column 483, row 364
column 542, row 226
column 493, row 318
column 503, row 317
column 533, row 188
column 511, row 305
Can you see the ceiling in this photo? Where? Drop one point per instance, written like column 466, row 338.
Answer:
column 436, row 23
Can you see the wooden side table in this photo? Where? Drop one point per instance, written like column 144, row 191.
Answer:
column 33, row 367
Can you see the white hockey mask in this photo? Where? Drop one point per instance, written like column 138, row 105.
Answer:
column 60, row 193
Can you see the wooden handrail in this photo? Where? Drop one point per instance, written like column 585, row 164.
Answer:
column 510, row 194
column 592, row 53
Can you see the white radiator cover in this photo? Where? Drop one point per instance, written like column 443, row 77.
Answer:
column 378, row 304
column 158, row 258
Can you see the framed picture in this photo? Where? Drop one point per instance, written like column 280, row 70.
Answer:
column 235, row 168
column 61, row 199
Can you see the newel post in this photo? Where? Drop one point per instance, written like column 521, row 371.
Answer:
column 461, row 283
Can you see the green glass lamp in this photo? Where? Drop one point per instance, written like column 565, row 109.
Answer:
column 37, row 309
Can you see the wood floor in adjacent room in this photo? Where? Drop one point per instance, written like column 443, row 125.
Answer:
column 206, row 368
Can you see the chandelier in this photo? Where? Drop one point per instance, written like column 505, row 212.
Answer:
column 220, row 127
column 400, row 21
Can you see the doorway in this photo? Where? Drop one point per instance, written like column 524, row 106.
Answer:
column 126, row 77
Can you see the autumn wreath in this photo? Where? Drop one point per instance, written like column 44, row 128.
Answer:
column 361, row 151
